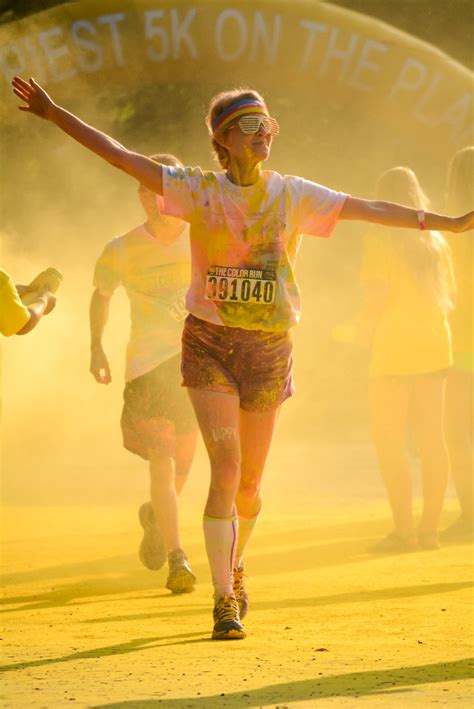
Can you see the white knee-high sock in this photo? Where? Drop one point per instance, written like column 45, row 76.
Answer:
column 221, row 538
column 246, row 527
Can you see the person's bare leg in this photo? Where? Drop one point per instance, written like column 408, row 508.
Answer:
column 163, row 498
column 459, row 433
column 256, row 432
column 218, row 418
column 428, row 403
column 165, row 485
column 389, row 404
column 185, row 450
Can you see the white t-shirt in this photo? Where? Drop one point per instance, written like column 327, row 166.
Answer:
column 156, row 278
column 244, row 242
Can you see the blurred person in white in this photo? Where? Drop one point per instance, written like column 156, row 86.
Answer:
column 152, row 263
column 16, row 318
column 408, row 288
column 460, row 381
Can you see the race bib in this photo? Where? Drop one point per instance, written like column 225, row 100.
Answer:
column 230, row 284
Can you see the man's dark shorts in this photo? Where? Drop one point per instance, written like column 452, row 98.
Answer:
column 156, row 411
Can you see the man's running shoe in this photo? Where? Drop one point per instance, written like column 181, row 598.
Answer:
column 152, row 550
column 180, row 577
column 227, row 625
column 240, row 592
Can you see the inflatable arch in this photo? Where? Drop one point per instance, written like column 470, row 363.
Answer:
column 335, row 72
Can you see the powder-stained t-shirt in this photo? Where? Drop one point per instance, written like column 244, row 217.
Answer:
column 13, row 314
column 156, row 278
column 244, row 242
column 412, row 335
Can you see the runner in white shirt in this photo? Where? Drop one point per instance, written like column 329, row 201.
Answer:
column 152, row 263
column 245, row 227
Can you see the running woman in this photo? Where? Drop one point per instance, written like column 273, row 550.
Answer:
column 409, row 288
column 243, row 300
column 152, row 263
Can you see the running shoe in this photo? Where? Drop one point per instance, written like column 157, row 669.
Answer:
column 240, row 592
column 152, row 550
column 394, row 543
column 227, row 625
column 180, row 577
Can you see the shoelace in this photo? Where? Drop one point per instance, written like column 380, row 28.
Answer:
column 238, row 581
column 227, row 608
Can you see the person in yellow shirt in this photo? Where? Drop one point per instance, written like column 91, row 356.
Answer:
column 408, row 285
column 15, row 317
column 460, row 381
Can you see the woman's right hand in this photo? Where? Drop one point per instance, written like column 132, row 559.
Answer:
column 36, row 99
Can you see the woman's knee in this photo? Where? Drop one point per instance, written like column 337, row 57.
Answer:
column 225, row 475
column 250, row 481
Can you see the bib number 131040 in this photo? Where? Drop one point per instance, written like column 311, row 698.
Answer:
column 240, row 285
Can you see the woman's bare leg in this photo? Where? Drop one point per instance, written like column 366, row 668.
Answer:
column 428, row 421
column 389, row 404
column 256, row 432
column 218, row 418
column 459, row 434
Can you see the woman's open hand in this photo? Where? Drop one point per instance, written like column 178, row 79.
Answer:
column 36, row 99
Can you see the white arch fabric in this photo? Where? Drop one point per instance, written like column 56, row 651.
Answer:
column 324, row 59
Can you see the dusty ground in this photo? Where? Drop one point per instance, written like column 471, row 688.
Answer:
column 330, row 624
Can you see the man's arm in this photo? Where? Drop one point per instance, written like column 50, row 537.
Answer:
column 98, row 316
column 396, row 215
column 38, row 102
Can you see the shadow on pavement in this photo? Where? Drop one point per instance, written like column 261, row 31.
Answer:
column 203, row 636
column 374, row 682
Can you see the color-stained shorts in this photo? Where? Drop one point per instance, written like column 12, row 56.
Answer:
column 156, row 410
column 255, row 365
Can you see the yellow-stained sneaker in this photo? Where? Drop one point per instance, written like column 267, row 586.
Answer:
column 152, row 550
column 240, row 592
column 227, row 625
column 180, row 577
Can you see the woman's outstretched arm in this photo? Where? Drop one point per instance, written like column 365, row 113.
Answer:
column 396, row 215
column 38, row 102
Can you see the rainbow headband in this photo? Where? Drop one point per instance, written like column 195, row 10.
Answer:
column 237, row 109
